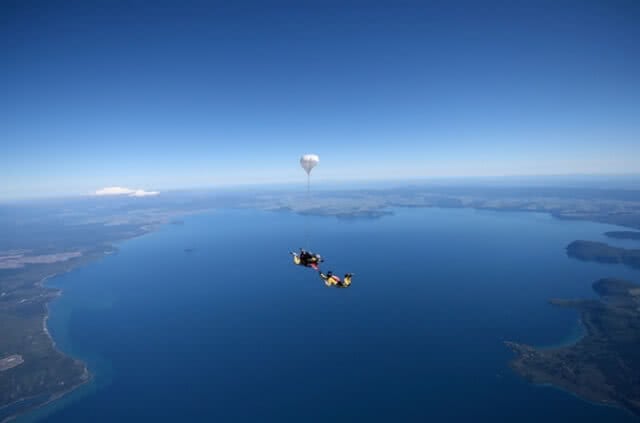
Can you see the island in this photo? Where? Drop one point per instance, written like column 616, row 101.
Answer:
column 624, row 235
column 604, row 366
column 603, row 253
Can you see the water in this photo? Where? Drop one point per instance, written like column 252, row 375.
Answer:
column 232, row 331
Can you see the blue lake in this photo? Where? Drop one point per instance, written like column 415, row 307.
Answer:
column 232, row 331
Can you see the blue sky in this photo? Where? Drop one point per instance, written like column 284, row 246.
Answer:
column 166, row 95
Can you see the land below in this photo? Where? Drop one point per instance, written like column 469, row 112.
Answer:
column 33, row 371
column 613, row 206
column 49, row 237
column 604, row 366
column 603, row 253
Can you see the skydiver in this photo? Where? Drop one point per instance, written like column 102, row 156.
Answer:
column 307, row 257
column 332, row 280
column 304, row 255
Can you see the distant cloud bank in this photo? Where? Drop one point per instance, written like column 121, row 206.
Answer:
column 125, row 191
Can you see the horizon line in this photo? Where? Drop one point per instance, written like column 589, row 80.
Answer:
column 323, row 182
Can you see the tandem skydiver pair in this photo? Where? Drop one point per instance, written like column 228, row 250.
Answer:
column 312, row 260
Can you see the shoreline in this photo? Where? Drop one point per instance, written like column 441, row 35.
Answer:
column 52, row 398
column 571, row 339
column 45, row 329
column 606, row 404
column 87, row 376
column 566, row 390
column 571, row 368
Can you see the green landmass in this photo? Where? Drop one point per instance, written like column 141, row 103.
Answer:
column 613, row 206
column 41, row 247
column 45, row 373
column 603, row 253
column 623, row 234
column 604, row 366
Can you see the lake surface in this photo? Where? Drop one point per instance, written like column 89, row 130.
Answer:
column 232, row 331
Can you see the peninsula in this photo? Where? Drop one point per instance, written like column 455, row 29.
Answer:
column 603, row 253
column 604, row 366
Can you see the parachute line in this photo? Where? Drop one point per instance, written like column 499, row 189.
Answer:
column 306, row 215
column 308, row 162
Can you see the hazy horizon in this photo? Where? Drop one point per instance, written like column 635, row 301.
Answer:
column 630, row 181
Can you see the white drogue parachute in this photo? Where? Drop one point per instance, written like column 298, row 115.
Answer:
column 308, row 162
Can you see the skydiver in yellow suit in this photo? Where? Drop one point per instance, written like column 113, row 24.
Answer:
column 332, row 280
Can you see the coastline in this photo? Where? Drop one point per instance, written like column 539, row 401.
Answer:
column 577, row 368
column 606, row 404
column 23, row 413
column 46, row 314
column 578, row 333
column 86, row 376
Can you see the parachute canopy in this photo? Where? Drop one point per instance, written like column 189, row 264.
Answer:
column 308, row 162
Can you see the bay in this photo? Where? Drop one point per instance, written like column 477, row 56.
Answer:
column 209, row 320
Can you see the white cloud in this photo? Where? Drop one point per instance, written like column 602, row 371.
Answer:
column 114, row 191
column 125, row 191
column 143, row 193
